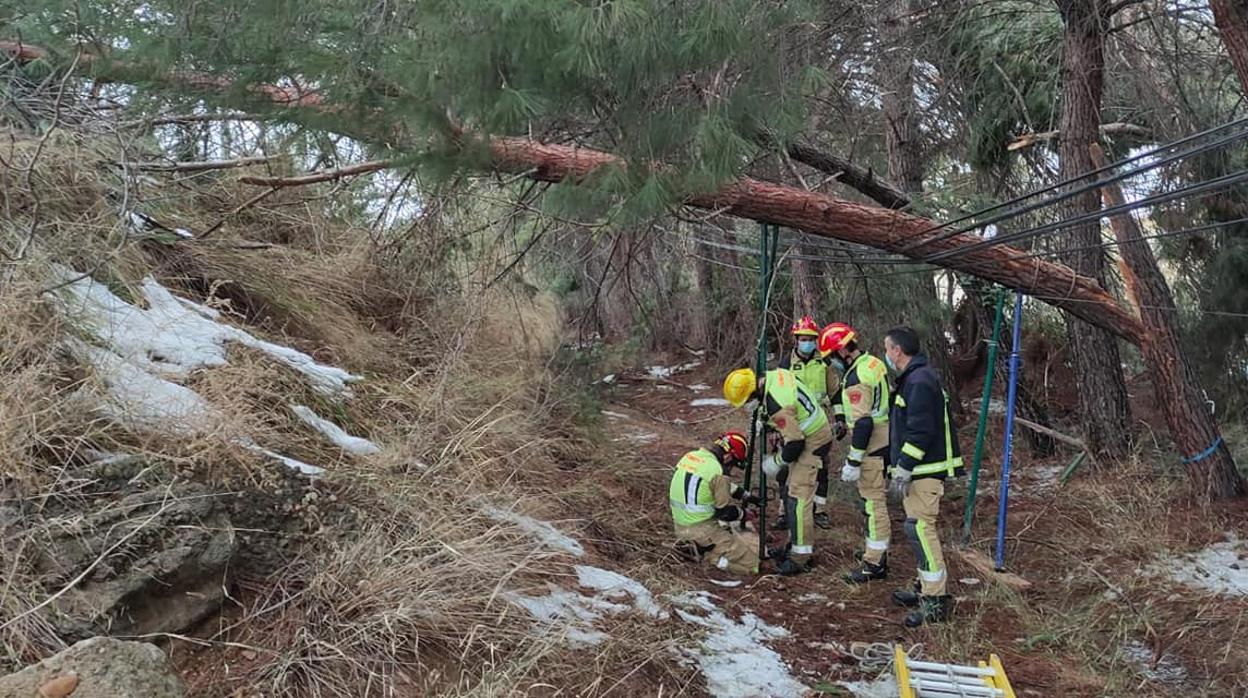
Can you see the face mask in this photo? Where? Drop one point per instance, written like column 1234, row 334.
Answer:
column 805, row 348
column 838, row 364
column 889, row 360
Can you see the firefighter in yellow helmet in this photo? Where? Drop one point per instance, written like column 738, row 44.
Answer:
column 812, row 371
column 701, row 498
column 788, row 408
column 862, row 407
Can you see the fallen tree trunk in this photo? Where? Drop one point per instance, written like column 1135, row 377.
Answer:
column 812, row 212
column 1206, row 456
column 826, row 216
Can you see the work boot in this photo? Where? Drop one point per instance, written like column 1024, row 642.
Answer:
column 869, row 572
column 821, row 520
column 907, row 597
column 790, row 567
column 932, row 609
column 779, row 553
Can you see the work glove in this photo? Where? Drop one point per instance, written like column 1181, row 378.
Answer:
column 840, row 429
column 900, row 486
column 746, row 498
column 772, row 465
column 850, row 472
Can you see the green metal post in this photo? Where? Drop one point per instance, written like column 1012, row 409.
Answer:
column 982, row 429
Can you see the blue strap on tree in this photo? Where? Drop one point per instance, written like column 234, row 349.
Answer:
column 1205, row 453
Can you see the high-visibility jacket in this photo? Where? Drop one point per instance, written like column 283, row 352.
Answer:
column 864, row 403
column 792, row 411
column 812, row 373
column 698, row 487
column 922, row 435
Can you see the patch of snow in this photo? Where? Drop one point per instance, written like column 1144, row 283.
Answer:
column 699, row 387
column 183, row 233
column 885, row 686
column 727, row 583
column 613, row 415
column 354, row 445
column 607, row 379
column 812, row 598
column 611, row 585
column 138, row 398
column 669, row 371
column 732, row 656
column 1221, row 568
column 641, row 437
column 542, row 531
column 969, row 581
column 1166, row 670
column 710, row 402
column 173, row 337
column 292, row 463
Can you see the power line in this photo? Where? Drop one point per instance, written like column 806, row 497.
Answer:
column 1013, row 213
column 1182, row 192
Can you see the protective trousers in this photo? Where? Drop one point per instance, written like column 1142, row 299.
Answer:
column 721, row 548
column 872, row 490
column 821, row 482
column 922, row 505
column 799, row 504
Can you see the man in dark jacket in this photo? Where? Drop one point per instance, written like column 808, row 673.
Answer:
column 924, row 450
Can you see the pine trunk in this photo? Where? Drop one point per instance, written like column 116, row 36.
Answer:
column 1208, row 460
column 1103, row 402
column 1232, row 20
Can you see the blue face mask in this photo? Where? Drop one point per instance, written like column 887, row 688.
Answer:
column 806, row 347
column 889, row 360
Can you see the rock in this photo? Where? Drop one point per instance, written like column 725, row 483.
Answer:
column 98, row 668
column 166, row 576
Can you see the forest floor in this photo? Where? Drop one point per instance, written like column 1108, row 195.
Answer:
column 1104, row 615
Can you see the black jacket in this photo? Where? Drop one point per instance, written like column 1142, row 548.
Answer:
column 920, row 422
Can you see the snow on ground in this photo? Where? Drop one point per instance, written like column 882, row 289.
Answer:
column 640, row 437
column 613, row 415
column 1165, row 670
column 1221, row 568
column 354, row 445
column 669, row 371
column 699, row 387
column 885, row 686
column 612, row 585
column 139, row 354
column 569, row 613
column 710, row 402
column 732, row 656
column 542, row 531
column 172, row 337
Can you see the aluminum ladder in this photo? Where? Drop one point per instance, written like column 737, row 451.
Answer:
column 934, row 680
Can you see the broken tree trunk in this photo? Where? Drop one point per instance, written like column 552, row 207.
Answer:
column 1205, row 455
column 1231, row 17
column 826, row 216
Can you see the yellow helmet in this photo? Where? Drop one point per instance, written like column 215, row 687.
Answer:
column 739, row 386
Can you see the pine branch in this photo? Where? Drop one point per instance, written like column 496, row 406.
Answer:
column 322, row 176
column 1116, row 128
column 201, row 166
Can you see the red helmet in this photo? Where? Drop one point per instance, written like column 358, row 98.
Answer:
column 734, row 444
column 835, row 337
column 806, row 325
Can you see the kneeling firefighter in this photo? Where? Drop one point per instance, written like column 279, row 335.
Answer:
column 806, row 438
column 701, row 497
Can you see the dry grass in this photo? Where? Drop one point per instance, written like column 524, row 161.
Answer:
column 385, row 575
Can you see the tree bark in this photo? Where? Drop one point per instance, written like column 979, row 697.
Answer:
column 1231, row 17
column 1177, row 389
column 861, row 178
column 1103, row 402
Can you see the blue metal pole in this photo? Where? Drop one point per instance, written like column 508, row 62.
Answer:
column 1011, row 395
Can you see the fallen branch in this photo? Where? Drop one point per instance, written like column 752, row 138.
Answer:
column 1116, row 128
column 201, row 166
column 322, row 176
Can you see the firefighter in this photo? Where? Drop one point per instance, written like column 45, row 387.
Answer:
column 788, row 408
column 862, row 408
column 924, row 452
column 812, row 371
column 703, row 508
